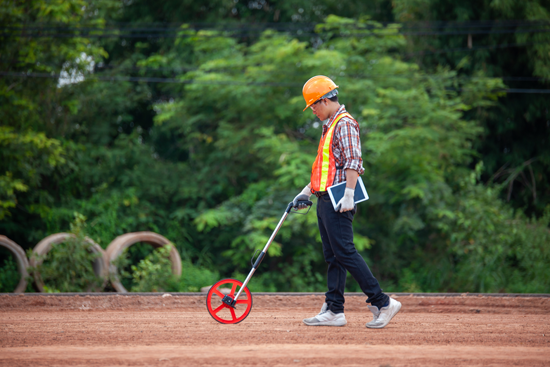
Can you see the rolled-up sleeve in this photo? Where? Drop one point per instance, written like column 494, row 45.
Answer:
column 347, row 135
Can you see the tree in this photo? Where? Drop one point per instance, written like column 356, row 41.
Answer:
column 210, row 153
column 33, row 110
column 506, row 39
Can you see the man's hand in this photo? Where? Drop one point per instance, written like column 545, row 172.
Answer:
column 302, row 196
column 346, row 203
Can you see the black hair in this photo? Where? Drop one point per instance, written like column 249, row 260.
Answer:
column 334, row 99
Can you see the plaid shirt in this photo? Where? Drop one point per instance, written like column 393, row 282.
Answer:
column 346, row 146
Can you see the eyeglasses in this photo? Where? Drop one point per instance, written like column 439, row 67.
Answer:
column 315, row 103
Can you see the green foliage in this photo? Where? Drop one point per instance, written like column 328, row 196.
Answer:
column 495, row 249
column 482, row 246
column 68, row 266
column 212, row 162
column 230, row 12
column 514, row 144
column 29, row 155
column 415, row 141
column 9, row 276
column 154, row 273
column 34, row 152
column 194, row 277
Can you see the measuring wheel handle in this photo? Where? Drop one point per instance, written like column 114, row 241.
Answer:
column 300, row 204
column 230, row 308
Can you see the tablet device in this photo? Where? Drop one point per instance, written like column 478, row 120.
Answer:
column 336, row 192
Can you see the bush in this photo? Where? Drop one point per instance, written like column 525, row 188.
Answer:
column 483, row 245
column 68, row 266
column 154, row 273
column 194, row 277
column 9, row 276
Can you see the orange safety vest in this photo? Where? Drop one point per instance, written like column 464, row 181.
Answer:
column 324, row 167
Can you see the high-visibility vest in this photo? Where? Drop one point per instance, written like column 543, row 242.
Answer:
column 324, row 167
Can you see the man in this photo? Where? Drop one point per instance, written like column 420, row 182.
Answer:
column 338, row 160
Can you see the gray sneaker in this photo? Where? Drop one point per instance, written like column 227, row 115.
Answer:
column 326, row 318
column 383, row 316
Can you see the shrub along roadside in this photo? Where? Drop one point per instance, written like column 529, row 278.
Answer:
column 483, row 245
column 68, row 266
column 93, row 147
column 154, row 273
column 9, row 276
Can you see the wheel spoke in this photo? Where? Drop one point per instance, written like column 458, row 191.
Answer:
column 220, row 294
column 218, row 309
column 237, row 313
column 233, row 288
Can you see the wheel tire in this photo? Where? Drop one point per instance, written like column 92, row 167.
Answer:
column 119, row 244
column 44, row 246
column 22, row 262
column 213, row 312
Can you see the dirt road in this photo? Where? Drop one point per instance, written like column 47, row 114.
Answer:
column 178, row 331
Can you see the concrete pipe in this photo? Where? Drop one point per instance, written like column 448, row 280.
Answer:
column 44, row 246
column 21, row 259
column 119, row 244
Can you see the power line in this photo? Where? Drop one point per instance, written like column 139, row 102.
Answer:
column 469, row 24
column 243, row 68
column 473, row 48
column 243, row 34
column 230, row 67
column 37, row 32
column 374, row 76
column 534, row 91
column 467, row 32
column 520, row 78
column 49, row 30
column 204, row 82
column 148, row 79
column 409, row 54
column 280, row 25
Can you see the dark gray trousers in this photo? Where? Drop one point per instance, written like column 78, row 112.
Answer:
column 341, row 256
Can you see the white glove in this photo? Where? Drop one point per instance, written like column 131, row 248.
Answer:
column 346, row 203
column 302, row 196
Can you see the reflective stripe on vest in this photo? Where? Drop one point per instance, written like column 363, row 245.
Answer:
column 324, row 167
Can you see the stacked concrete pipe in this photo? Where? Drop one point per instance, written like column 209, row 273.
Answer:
column 119, row 244
column 103, row 266
column 21, row 259
column 44, row 246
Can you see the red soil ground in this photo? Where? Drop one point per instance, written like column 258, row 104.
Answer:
column 178, row 331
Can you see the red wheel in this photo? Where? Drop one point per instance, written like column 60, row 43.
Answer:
column 220, row 311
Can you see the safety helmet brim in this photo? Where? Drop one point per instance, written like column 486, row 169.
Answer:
column 317, row 88
column 330, row 94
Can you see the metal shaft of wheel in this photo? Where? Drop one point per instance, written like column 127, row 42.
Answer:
column 264, row 251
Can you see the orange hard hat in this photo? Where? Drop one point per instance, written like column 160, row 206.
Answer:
column 317, row 88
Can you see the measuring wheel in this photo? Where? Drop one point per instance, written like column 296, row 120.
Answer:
column 229, row 301
column 221, row 304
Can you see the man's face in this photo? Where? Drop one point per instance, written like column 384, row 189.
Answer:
column 320, row 109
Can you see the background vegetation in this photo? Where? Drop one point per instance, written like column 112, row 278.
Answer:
column 68, row 266
column 185, row 118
